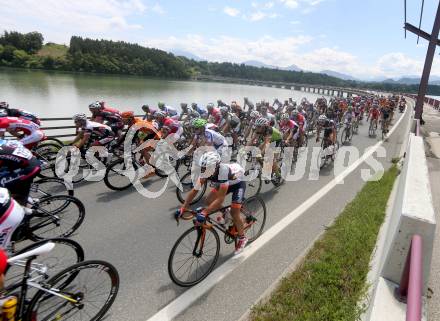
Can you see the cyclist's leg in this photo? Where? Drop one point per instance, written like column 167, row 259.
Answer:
column 237, row 191
column 12, row 215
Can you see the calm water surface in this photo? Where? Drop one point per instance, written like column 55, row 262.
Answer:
column 51, row 94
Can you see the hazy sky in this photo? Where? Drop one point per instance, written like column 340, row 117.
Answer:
column 362, row 38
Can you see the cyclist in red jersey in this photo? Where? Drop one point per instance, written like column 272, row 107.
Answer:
column 112, row 117
column 19, row 113
column 28, row 133
column 300, row 120
column 214, row 114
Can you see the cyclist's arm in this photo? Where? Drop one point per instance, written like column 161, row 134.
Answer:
column 83, row 139
column 192, row 194
column 221, row 195
column 266, row 142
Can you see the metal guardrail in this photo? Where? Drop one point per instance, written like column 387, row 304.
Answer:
column 411, row 283
column 61, row 131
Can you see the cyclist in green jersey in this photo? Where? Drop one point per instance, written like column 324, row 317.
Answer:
column 263, row 136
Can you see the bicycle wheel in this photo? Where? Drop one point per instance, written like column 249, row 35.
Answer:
column 114, row 175
column 254, row 212
column 50, row 186
column 47, row 154
column 94, row 287
column 56, row 216
column 197, row 248
column 187, row 186
column 53, row 140
column 65, row 253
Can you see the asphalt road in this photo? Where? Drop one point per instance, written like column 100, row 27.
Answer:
column 136, row 235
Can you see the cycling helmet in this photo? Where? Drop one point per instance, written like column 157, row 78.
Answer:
column 160, row 105
column 80, row 118
column 4, row 105
column 295, row 113
column 209, row 159
column 322, row 118
column 127, row 114
column 260, row 122
column 146, row 108
column 285, row 116
column 95, row 105
column 160, row 113
column 210, row 106
column 199, row 123
column 195, row 114
column 255, row 114
column 224, row 110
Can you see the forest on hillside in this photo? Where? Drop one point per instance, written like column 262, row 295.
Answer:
column 27, row 50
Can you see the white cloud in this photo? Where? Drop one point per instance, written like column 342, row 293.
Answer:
column 157, row 8
column 291, row 4
column 233, row 12
column 256, row 16
column 275, row 51
column 286, row 51
column 58, row 20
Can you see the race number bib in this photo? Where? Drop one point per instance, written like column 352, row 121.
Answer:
column 22, row 153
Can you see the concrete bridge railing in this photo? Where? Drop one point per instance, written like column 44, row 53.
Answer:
column 412, row 213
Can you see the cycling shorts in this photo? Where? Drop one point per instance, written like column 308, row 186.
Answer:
column 237, row 191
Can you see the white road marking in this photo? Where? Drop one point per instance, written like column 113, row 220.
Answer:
column 182, row 302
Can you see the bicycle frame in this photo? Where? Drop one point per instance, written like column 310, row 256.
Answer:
column 27, row 282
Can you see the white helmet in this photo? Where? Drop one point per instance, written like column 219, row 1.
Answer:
column 262, row 122
column 255, row 114
column 160, row 113
column 322, row 118
column 80, row 117
column 285, row 116
column 209, row 159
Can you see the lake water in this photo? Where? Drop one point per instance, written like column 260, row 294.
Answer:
column 50, row 94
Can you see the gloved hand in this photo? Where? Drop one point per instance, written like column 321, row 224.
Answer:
column 201, row 216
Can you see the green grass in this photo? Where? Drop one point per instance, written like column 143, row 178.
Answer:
column 332, row 279
column 53, row 50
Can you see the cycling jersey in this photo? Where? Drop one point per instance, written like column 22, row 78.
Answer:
column 374, row 113
column 147, row 129
column 11, row 215
column 170, row 111
column 19, row 113
column 111, row 116
column 301, row 121
column 18, row 168
column 215, row 115
column 31, row 131
column 231, row 175
column 285, row 126
column 216, row 139
column 275, row 134
column 99, row 133
column 171, row 123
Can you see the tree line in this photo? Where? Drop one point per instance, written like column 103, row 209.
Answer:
column 27, row 50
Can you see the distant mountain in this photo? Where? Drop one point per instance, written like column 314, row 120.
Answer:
column 413, row 80
column 259, row 64
column 293, row 68
column 186, row 54
column 337, row 75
